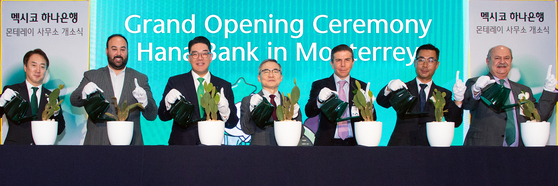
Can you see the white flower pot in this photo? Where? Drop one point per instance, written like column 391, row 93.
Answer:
column 120, row 132
column 368, row 133
column 44, row 132
column 440, row 134
column 535, row 134
column 211, row 132
column 287, row 133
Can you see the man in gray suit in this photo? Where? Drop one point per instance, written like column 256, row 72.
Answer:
column 489, row 127
column 116, row 80
column 270, row 75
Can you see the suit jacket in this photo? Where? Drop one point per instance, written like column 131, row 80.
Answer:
column 326, row 129
column 489, row 126
column 97, row 132
column 20, row 133
column 184, row 83
column 411, row 129
column 259, row 136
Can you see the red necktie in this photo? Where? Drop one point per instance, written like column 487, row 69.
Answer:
column 272, row 101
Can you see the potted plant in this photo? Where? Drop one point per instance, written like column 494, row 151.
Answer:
column 534, row 133
column 44, row 132
column 288, row 131
column 368, row 132
column 120, row 131
column 210, row 131
column 440, row 132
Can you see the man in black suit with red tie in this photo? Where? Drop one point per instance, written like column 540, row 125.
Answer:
column 332, row 133
column 410, row 129
column 35, row 64
column 188, row 85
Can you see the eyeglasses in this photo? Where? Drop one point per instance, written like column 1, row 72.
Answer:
column 422, row 60
column 196, row 55
column 274, row 71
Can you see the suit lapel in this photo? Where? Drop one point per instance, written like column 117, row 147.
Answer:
column 191, row 92
column 106, row 80
column 331, row 83
column 126, row 87
column 413, row 89
column 43, row 102
column 25, row 95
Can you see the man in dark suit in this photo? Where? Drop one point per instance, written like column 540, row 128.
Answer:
column 490, row 127
column 332, row 133
column 187, row 85
column 410, row 130
column 270, row 75
column 116, row 80
column 35, row 64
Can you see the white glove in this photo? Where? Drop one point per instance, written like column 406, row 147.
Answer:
column 171, row 97
column 482, row 82
column 223, row 105
column 254, row 101
column 296, row 109
column 89, row 89
column 325, row 93
column 140, row 94
column 394, row 85
column 8, row 95
column 458, row 89
column 550, row 82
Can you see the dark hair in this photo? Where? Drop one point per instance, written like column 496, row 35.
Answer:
column 269, row 60
column 199, row 39
column 117, row 35
column 428, row 47
column 36, row 51
column 340, row 48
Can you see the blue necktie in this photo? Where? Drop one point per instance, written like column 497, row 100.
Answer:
column 422, row 96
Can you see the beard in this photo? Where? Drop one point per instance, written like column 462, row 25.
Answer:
column 115, row 66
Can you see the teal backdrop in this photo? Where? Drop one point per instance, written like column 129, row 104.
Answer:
column 444, row 31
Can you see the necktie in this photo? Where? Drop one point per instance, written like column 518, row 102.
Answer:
column 343, row 129
column 272, row 101
column 422, row 96
column 200, row 92
column 34, row 103
column 510, row 123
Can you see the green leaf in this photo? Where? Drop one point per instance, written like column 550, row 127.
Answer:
column 279, row 113
column 217, row 98
column 112, row 116
column 295, row 94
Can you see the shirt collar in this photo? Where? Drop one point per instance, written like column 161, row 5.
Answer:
column 206, row 78
column 337, row 78
column 29, row 85
column 419, row 82
column 121, row 72
column 498, row 79
column 267, row 93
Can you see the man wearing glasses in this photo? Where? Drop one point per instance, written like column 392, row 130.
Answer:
column 410, row 129
column 190, row 86
column 332, row 133
column 270, row 76
column 500, row 128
